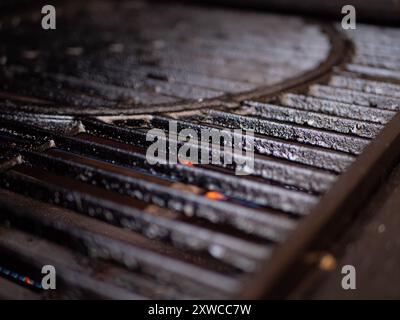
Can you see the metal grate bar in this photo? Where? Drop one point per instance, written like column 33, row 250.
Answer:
column 117, row 214
column 239, row 252
column 317, row 157
column 312, row 119
column 374, row 72
column 287, row 173
column 335, row 108
column 38, row 252
column 368, row 86
column 356, row 97
column 329, row 140
column 279, row 198
column 100, row 241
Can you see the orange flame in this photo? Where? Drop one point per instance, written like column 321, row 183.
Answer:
column 186, row 162
column 214, row 195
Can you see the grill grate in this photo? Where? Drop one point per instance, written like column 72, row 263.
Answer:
column 78, row 193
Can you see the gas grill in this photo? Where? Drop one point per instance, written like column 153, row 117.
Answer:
column 76, row 190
